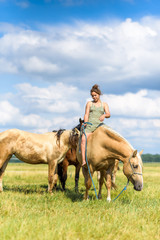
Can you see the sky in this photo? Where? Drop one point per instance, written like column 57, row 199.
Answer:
column 53, row 51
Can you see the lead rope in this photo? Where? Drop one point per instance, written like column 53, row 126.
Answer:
column 83, row 132
column 124, row 189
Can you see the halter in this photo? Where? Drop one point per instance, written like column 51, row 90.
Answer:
column 125, row 188
column 132, row 168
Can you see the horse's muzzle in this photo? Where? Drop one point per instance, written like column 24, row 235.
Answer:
column 138, row 186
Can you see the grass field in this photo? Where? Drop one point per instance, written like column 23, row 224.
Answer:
column 27, row 211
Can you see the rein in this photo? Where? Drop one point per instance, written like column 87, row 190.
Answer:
column 125, row 188
column 83, row 132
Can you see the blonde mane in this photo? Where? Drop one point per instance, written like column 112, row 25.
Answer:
column 118, row 135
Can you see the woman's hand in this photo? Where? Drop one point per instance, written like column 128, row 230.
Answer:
column 102, row 117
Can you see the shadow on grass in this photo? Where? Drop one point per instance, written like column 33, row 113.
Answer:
column 27, row 189
column 74, row 196
column 42, row 189
column 30, row 189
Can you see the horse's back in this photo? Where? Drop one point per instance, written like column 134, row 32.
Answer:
column 9, row 134
column 102, row 147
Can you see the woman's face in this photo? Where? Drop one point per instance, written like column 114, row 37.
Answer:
column 95, row 96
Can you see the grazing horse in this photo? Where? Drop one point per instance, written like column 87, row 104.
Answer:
column 48, row 148
column 70, row 159
column 110, row 178
column 105, row 145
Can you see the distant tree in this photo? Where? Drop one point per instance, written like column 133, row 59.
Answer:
column 14, row 159
column 150, row 157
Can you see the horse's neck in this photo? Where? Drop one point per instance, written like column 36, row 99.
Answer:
column 116, row 145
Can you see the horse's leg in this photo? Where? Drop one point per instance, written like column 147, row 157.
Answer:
column 114, row 172
column 52, row 175
column 77, row 171
column 87, row 181
column 64, row 173
column 2, row 170
column 108, row 178
column 100, row 176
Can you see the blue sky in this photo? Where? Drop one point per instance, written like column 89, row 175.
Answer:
column 53, row 51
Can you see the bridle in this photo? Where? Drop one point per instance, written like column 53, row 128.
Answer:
column 133, row 172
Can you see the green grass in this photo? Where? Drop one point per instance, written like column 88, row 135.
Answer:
column 27, row 211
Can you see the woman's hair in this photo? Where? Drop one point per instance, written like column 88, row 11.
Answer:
column 96, row 89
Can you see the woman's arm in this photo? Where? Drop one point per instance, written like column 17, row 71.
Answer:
column 106, row 114
column 86, row 115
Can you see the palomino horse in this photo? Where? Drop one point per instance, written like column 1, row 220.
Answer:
column 103, row 147
column 49, row 148
column 108, row 178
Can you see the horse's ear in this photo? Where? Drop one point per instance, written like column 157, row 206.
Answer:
column 81, row 121
column 140, row 153
column 134, row 153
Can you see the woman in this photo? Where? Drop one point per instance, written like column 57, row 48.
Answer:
column 95, row 113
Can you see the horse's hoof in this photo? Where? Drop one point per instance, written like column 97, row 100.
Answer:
column 76, row 190
column 99, row 197
column 86, row 198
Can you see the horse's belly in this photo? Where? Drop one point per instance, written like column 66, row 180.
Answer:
column 31, row 158
column 102, row 165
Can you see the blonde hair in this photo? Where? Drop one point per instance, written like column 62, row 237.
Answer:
column 96, row 89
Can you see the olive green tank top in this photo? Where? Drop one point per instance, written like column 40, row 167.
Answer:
column 94, row 115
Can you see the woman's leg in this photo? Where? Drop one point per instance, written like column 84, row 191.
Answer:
column 83, row 147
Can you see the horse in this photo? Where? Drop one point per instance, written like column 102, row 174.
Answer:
column 70, row 159
column 103, row 176
column 48, row 148
column 105, row 145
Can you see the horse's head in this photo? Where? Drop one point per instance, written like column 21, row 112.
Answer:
column 74, row 137
column 133, row 170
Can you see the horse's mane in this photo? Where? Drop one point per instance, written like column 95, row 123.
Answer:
column 116, row 134
column 78, row 127
column 58, row 134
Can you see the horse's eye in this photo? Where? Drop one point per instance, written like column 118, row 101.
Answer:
column 135, row 166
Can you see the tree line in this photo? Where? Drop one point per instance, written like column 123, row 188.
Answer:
column 150, row 157
column 145, row 158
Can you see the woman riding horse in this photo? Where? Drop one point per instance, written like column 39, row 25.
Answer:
column 95, row 113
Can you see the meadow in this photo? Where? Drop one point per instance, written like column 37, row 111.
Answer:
column 27, row 211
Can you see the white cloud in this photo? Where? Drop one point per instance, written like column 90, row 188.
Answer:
column 139, row 104
column 36, row 65
column 11, row 116
column 59, row 98
column 7, row 66
column 7, row 112
column 121, row 52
